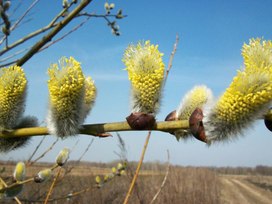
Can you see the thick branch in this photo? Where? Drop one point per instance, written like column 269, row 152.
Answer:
column 97, row 129
column 35, row 33
column 52, row 33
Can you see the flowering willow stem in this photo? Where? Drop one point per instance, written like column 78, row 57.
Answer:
column 97, row 129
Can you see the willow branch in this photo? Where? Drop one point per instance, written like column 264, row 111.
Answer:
column 172, row 57
column 45, row 39
column 52, row 186
column 65, row 35
column 2, row 190
column 98, row 129
column 5, row 185
column 138, row 169
column 22, row 40
column 51, row 25
column 24, row 15
column 19, row 20
column 12, row 56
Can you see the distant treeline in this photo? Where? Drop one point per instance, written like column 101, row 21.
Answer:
column 258, row 170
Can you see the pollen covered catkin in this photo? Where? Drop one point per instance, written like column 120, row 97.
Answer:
column 13, row 86
column 146, row 73
column 71, row 97
column 13, row 90
column 199, row 97
column 247, row 98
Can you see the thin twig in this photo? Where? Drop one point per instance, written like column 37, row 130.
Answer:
column 24, row 15
column 61, row 14
column 164, row 179
column 138, row 169
column 44, row 153
column 73, row 148
column 8, row 63
column 86, row 150
column 45, row 39
column 17, row 200
column 171, row 58
column 12, row 55
column 5, row 185
column 65, row 35
column 51, row 25
column 105, row 16
column 52, row 186
column 19, row 20
column 36, row 149
column 2, row 190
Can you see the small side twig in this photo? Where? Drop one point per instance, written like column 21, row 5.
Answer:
column 45, row 39
column 138, row 168
column 171, row 58
column 52, row 186
column 65, row 35
column 164, row 179
column 44, row 153
column 20, row 19
column 5, row 185
column 86, row 150
column 36, row 149
column 12, row 56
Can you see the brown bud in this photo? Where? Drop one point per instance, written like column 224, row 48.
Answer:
column 171, row 116
column 196, row 125
column 268, row 124
column 141, row 121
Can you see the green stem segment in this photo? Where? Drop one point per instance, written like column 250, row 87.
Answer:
column 97, row 129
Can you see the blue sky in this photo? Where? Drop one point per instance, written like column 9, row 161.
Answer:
column 209, row 52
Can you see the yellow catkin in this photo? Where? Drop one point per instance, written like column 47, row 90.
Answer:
column 90, row 91
column 249, row 95
column 90, row 95
column 19, row 171
column 146, row 73
column 13, row 85
column 257, row 55
column 65, row 85
column 196, row 98
column 245, row 95
column 63, row 156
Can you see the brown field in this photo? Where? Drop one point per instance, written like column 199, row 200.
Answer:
column 184, row 185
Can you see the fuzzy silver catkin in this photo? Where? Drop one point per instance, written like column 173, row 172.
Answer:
column 13, row 91
column 71, row 97
column 248, row 97
column 90, row 96
column 146, row 72
column 198, row 97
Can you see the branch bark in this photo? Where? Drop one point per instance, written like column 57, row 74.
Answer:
column 52, row 33
column 98, row 129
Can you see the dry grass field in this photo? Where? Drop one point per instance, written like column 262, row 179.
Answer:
column 184, row 185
